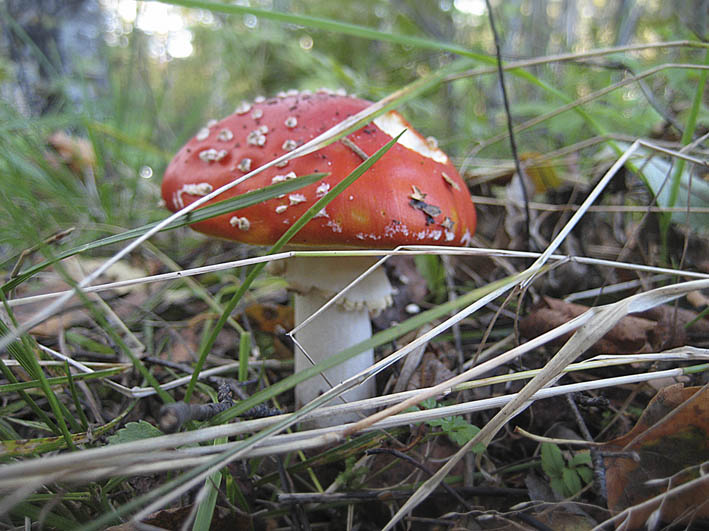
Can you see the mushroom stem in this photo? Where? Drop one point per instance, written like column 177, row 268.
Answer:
column 338, row 327
column 329, row 333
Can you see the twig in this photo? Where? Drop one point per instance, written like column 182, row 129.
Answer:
column 510, row 128
column 420, row 466
column 390, row 494
column 599, row 469
column 173, row 416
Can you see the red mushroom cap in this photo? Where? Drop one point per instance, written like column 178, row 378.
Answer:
column 412, row 195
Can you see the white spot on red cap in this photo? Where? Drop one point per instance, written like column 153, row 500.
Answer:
column 199, row 189
column 203, row 134
column 393, row 228
column 225, row 135
column 243, row 108
column 334, row 226
column 245, row 165
column 212, row 155
column 257, row 114
column 281, row 178
column 322, row 189
column 256, row 138
column 289, row 145
column 291, row 122
column 240, row 223
column 280, row 209
column 296, row 199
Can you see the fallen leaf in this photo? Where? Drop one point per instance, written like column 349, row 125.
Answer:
column 431, row 372
column 270, row 317
column 670, row 439
column 630, row 335
column 660, row 328
column 75, row 152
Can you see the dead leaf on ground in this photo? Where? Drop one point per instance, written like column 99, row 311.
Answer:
column 630, row 335
column 74, row 314
column 671, row 439
column 659, row 329
column 430, row 372
column 270, row 317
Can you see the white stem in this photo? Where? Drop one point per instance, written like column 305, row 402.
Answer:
column 329, row 333
column 338, row 326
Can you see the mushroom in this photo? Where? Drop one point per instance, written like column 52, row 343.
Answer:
column 412, row 195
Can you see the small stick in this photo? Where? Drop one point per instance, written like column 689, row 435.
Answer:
column 599, row 468
column 24, row 254
column 173, row 416
column 354, row 147
column 388, row 494
column 422, row 467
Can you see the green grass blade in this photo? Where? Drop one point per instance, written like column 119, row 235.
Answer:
column 244, row 351
column 60, row 380
column 222, row 207
column 203, row 520
column 687, row 136
column 334, row 26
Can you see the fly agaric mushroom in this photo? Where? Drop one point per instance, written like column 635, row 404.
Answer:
column 412, row 195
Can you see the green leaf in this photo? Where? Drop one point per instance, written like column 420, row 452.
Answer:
column 552, row 460
column 585, row 473
column 572, row 482
column 464, row 434
column 557, row 485
column 581, row 458
column 134, row 431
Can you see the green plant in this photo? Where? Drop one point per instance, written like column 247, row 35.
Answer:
column 456, row 428
column 567, row 475
column 353, row 475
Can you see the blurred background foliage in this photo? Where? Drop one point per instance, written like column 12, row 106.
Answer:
column 133, row 81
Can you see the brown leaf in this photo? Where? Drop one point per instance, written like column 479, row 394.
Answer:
column 431, row 372
column 270, row 317
column 671, row 437
column 671, row 328
column 630, row 335
column 75, row 152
